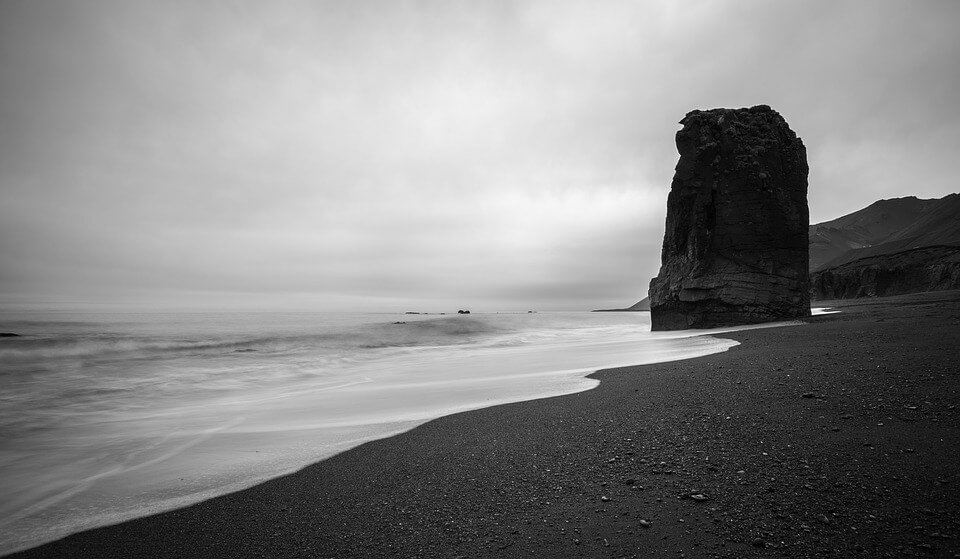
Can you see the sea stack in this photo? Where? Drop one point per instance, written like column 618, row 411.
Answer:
column 736, row 247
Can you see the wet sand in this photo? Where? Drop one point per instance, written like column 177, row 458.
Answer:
column 839, row 437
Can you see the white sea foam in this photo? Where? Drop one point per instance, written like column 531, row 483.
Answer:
column 110, row 417
column 816, row 311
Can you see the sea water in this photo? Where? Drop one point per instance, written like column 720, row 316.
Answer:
column 105, row 417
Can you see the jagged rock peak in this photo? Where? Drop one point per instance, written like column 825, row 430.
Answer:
column 735, row 249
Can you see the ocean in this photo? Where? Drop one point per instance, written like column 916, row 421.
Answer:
column 106, row 417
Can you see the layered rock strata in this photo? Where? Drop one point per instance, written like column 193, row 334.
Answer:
column 935, row 268
column 735, row 249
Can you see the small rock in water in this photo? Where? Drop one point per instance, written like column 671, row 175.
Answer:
column 646, row 523
column 604, row 498
column 699, row 497
column 758, row 543
column 807, row 395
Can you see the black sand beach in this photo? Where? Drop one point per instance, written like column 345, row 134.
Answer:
column 835, row 438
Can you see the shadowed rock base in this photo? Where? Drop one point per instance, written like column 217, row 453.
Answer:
column 682, row 315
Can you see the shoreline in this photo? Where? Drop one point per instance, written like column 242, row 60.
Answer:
column 461, row 379
column 751, row 429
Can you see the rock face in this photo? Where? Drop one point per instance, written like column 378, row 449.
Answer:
column 934, row 268
column 736, row 244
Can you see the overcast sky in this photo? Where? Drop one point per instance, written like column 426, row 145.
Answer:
column 424, row 155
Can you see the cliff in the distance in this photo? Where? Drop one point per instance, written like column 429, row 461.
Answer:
column 735, row 249
column 892, row 247
column 934, row 268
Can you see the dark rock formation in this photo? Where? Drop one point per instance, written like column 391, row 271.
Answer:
column 736, row 244
column 935, row 268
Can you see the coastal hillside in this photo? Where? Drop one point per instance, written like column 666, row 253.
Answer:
column 897, row 246
column 884, row 227
column 641, row 305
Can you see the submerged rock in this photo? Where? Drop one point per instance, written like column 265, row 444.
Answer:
column 735, row 249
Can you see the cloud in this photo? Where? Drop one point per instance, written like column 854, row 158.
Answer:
column 341, row 155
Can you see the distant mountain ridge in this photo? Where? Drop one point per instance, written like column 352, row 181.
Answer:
column 885, row 227
column 891, row 247
column 641, row 305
